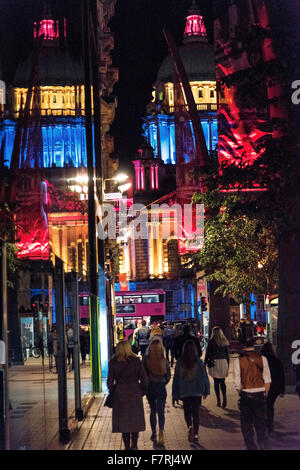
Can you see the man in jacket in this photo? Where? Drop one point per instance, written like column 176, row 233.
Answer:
column 182, row 338
column 168, row 340
column 142, row 337
column 252, row 380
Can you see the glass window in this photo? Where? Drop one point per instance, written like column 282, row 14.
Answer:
column 150, row 299
column 212, row 93
column 54, row 98
column 132, row 299
column 200, row 95
column 130, row 323
column 118, row 299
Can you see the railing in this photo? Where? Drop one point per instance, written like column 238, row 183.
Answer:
column 200, row 107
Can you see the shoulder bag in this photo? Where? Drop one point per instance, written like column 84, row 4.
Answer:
column 110, row 397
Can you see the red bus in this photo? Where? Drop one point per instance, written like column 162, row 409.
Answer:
column 84, row 310
column 134, row 306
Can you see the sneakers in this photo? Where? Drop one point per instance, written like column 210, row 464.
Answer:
column 191, row 434
column 161, row 438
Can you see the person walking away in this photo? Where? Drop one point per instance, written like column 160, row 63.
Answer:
column 82, row 341
column 120, row 331
column 142, row 337
column 55, row 347
column 50, row 347
column 70, row 347
column 128, row 417
column 182, row 338
column 217, row 361
column 190, row 384
column 168, row 341
column 252, row 380
column 156, row 332
column 158, row 371
column 277, row 387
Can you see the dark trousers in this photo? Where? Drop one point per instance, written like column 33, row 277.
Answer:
column 70, row 356
column 127, row 436
column 143, row 349
column 272, row 397
column 157, row 396
column 253, row 419
column 220, row 384
column 191, row 406
column 170, row 350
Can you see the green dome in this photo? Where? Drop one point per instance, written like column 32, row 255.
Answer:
column 198, row 59
column 56, row 68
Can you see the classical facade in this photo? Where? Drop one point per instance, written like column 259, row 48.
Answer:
column 162, row 170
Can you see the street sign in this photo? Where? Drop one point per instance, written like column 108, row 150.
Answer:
column 112, row 196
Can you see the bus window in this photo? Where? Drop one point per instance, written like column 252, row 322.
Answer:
column 131, row 323
column 84, row 300
column 132, row 299
column 118, row 299
column 150, row 299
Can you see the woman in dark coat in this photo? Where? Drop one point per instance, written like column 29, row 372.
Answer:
column 278, row 382
column 128, row 411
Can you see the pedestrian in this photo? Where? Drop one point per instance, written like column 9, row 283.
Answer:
column 158, row 371
column 55, row 347
column 135, row 343
column 247, row 329
column 168, row 341
column 142, row 337
column 217, row 361
column 252, row 380
column 277, row 387
column 190, row 384
column 120, row 331
column 156, row 332
column 128, row 417
column 50, row 347
column 70, row 347
column 182, row 338
column 82, row 341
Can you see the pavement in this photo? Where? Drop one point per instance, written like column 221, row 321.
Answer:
column 33, row 393
column 219, row 429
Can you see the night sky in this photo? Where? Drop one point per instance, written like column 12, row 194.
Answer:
column 139, row 50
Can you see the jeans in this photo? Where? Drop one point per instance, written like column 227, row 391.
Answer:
column 191, row 407
column 143, row 349
column 169, row 350
column 157, row 396
column 253, row 418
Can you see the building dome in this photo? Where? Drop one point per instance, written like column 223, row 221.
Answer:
column 56, row 68
column 198, row 60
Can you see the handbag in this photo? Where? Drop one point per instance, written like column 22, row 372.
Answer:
column 110, row 397
column 211, row 362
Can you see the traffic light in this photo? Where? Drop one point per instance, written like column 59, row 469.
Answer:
column 203, row 304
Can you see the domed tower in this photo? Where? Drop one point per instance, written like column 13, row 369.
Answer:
column 197, row 56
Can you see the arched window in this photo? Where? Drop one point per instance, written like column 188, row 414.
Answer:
column 200, row 93
column 212, row 93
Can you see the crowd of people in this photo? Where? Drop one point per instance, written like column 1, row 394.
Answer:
column 142, row 366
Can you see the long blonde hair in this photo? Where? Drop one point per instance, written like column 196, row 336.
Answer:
column 218, row 336
column 124, row 351
column 155, row 360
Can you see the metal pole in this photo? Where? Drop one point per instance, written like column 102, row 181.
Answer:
column 76, row 348
column 4, row 403
column 59, row 279
column 93, row 264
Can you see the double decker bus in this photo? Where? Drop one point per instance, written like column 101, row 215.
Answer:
column 134, row 306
